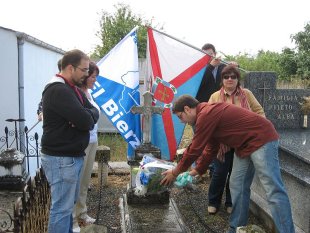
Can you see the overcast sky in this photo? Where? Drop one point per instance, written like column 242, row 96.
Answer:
column 232, row 26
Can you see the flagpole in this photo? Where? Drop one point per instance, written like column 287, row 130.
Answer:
column 183, row 42
column 34, row 126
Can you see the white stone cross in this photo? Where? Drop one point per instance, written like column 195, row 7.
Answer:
column 147, row 110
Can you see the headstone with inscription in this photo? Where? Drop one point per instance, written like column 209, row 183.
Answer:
column 283, row 109
column 282, row 106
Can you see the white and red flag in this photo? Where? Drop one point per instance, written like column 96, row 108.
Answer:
column 174, row 68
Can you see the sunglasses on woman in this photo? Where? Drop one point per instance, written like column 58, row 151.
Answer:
column 231, row 76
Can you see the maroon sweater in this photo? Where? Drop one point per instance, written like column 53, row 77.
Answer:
column 236, row 127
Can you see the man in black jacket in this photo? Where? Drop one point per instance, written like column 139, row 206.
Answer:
column 68, row 117
column 211, row 79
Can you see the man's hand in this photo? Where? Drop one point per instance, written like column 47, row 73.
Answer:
column 40, row 116
column 193, row 172
column 169, row 177
column 216, row 61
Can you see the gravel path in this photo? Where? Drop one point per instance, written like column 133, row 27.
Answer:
column 192, row 205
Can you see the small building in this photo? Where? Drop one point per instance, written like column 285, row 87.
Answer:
column 26, row 65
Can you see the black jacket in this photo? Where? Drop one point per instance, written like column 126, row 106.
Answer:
column 66, row 121
column 208, row 84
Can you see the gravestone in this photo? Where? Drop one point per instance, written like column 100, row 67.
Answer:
column 13, row 173
column 153, row 212
column 145, row 148
column 147, row 110
column 282, row 108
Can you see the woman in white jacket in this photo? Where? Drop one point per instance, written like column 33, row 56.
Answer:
column 80, row 211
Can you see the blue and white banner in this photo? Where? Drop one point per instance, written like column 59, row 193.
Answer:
column 117, row 89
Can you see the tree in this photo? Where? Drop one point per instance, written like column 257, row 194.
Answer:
column 263, row 61
column 287, row 64
column 302, row 41
column 115, row 27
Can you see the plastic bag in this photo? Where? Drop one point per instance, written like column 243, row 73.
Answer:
column 149, row 175
column 183, row 180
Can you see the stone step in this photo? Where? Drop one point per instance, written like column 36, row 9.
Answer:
column 164, row 218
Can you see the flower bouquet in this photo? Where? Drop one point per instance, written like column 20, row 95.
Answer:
column 149, row 176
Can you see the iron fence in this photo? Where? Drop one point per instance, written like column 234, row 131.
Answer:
column 22, row 141
column 31, row 209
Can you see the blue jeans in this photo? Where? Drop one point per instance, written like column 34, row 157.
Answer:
column 63, row 176
column 265, row 163
column 220, row 180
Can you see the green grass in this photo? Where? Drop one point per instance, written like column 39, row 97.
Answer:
column 117, row 144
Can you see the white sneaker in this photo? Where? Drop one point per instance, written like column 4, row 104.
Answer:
column 87, row 219
column 76, row 229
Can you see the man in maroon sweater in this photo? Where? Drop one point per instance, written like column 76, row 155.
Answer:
column 255, row 141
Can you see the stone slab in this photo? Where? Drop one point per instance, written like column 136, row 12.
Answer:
column 94, row 229
column 296, row 142
column 151, row 218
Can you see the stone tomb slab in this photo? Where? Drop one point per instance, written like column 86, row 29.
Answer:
column 151, row 218
column 294, row 156
column 296, row 142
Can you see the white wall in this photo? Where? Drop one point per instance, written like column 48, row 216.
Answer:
column 25, row 68
column 9, row 104
column 40, row 65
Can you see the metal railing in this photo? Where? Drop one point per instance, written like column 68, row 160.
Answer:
column 22, row 141
column 31, row 210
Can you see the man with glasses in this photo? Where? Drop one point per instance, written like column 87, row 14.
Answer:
column 255, row 141
column 68, row 117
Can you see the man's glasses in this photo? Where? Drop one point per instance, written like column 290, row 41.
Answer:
column 85, row 70
column 231, row 76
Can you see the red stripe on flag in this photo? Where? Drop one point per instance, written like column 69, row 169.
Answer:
column 169, row 130
column 166, row 116
column 154, row 55
column 190, row 71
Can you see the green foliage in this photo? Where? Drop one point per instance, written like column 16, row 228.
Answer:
column 154, row 185
column 291, row 64
column 264, row 61
column 287, row 64
column 302, row 41
column 114, row 27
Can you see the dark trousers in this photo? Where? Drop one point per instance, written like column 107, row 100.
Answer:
column 220, row 179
